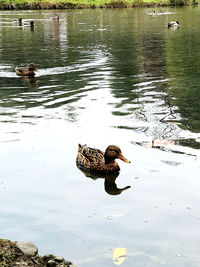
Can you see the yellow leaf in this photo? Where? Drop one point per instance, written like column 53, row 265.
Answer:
column 119, row 255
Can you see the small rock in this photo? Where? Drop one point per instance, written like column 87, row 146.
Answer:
column 51, row 263
column 72, row 265
column 59, row 259
column 67, row 263
column 48, row 257
column 27, row 247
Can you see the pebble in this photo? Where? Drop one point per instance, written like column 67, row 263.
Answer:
column 59, row 259
column 27, row 247
column 68, row 263
column 51, row 263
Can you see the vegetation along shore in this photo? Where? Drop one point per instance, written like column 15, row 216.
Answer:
column 73, row 4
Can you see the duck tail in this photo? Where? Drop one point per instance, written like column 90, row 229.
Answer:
column 79, row 147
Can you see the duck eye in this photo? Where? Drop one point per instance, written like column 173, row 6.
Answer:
column 116, row 151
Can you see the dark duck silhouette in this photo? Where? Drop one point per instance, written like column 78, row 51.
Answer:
column 97, row 161
column 173, row 24
column 56, row 18
column 18, row 20
column 110, row 185
column 30, row 71
column 28, row 24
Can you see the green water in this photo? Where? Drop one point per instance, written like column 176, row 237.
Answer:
column 105, row 77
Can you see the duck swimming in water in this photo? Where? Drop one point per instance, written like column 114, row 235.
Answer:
column 56, row 18
column 173, row 24
column 18, row 20
column 97, row 161
column 30, row 24
column 30, row 71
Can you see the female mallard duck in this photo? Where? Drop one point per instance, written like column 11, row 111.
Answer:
column 18, row 20
column 96, row 160
column 29, row 24
column 173, row 24
column 55, row 18
column 30, row 71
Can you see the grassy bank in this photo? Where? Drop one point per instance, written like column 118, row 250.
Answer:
column 71, row 4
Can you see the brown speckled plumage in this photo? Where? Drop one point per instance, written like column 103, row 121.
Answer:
column 30, row 71
column 96, row 160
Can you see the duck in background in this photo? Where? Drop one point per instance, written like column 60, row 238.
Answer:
column 18, row 20
column 173, row 24
column 97, row 161
column 29, row 71
column 56, row 18
column 29, row 24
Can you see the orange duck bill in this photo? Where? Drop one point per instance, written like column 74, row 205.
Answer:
column 123, row 158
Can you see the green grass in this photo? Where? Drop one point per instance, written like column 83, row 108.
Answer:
column 62, row 4
column 45, row 4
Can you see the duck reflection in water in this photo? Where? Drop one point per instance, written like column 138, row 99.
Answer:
column 95, row 163
column 110, row 185
column 31, row 80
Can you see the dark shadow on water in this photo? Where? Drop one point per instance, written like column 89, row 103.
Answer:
column 110, row 185
column 31, row 81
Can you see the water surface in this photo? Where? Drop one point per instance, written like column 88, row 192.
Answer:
column 105, row 77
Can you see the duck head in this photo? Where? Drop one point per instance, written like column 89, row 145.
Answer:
column 114, row 152
column 32, row 24
column 32, row 67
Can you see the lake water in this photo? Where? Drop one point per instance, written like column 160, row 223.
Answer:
column 105, row 77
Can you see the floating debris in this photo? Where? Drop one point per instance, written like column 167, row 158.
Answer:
column 119, row 255
column 171, row 162
column 158, row 143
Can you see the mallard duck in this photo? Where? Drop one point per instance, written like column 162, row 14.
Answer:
column 32, row 24
column 173, row 24
column 30, row 71
column 17, row 20
column 29, row 24
column 55, row 18
column 96, row 160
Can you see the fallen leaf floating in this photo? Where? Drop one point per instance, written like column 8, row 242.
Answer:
column 157, row 143
column 119, row 255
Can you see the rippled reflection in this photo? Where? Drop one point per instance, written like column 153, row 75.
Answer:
column 152, row 78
